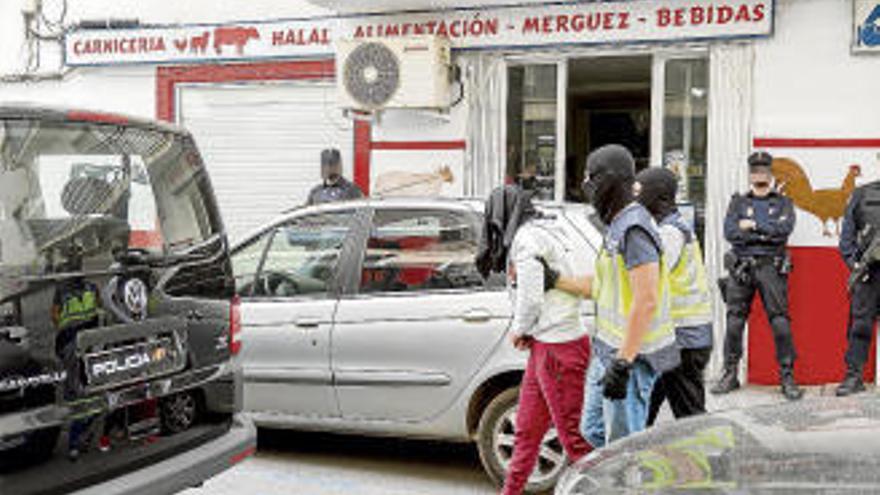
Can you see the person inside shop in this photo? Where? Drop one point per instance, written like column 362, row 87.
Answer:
column 684, row 386
column 334, row 187
column 546, row 325
column 635, row 340
column 860, row 249
column 757, row 226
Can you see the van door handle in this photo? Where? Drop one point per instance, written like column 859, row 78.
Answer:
column 477, row 316
column 307, row 322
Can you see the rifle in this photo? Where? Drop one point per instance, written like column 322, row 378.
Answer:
column 870, row 256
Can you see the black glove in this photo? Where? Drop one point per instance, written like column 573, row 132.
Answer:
column 616, row 379
column 551, row 276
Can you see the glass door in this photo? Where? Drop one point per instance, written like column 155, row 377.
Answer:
column 535, row 126
column 681, row 104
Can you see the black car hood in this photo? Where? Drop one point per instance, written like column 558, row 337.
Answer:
column 812, row 446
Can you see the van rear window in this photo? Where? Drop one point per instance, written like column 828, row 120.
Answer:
column 96, row 188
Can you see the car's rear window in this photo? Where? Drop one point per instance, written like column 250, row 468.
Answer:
column 96, row 188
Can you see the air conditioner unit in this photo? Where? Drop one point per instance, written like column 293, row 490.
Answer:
column 410, row 72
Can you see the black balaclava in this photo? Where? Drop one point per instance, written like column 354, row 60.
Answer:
column 657, row 193
column 610, row 173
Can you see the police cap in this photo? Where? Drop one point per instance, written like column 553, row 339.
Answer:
column 330, row 156
column 760, row 159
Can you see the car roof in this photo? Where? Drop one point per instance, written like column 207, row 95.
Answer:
column 469, row 203
column 46, row 113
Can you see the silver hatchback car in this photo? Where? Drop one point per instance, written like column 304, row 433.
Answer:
column 369, row 317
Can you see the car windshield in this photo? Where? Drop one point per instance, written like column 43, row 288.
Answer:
column 96, row 189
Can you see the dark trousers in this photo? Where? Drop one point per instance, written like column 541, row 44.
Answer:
column 864, row 300
column 764, row 278
column 683, row 386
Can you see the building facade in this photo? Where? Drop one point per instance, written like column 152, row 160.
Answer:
column 690, row 85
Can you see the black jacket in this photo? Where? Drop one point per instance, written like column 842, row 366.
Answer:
column 508, row 207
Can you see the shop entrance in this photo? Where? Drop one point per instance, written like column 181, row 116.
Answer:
column 609, row 102
column 654, row 104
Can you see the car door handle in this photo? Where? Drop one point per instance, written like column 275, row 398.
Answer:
column 307, row 322
column 477, row 316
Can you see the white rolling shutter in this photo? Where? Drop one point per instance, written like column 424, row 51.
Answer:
column 262, row 144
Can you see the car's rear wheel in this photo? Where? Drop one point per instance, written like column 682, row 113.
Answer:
column 495, row 439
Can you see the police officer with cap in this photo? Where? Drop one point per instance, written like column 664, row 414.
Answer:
column 758, row 225
column 860, row 248
column 334, row 186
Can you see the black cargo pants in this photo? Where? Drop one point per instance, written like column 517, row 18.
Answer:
column 683, row 386
column 765, row 278
column 863, row 310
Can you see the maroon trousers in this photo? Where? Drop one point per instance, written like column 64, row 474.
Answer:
column 551, row 390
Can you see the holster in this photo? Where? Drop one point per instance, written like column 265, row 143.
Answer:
column 783, row 264
column 739, row 269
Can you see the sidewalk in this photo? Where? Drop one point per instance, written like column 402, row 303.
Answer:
column 755, row 395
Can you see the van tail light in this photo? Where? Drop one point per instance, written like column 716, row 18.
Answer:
column 235, row 326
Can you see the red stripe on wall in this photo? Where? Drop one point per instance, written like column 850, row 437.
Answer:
column 816, row 143
column 168, row 77
column 418, row 145
column 362, row 137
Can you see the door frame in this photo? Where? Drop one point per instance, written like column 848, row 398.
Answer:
column 659, row 57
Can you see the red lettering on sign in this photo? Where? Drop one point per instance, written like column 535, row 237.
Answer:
column 758, row 13
column 531, row 25
column 562, row 23
column 623, row 20
column 664, row 17
column 725, row 14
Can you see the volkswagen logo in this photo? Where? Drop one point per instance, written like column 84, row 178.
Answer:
column 135, row 296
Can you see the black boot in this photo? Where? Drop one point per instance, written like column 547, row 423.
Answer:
column 790, row 389
column 852, row 383
column 728, row 382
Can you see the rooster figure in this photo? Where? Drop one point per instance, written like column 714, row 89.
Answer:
column 828, row 205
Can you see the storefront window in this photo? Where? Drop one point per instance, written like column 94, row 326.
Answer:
column 685, row 109
column 531, row 125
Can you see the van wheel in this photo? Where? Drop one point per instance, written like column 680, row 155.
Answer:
column 178, row 412
column 495, row 438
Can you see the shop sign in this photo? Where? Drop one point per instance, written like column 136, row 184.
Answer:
column 572, row 23
column 866, row 26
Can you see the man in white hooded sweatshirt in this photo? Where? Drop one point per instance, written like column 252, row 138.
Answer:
column 549, row 327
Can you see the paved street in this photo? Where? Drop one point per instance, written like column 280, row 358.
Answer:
column 321, row 464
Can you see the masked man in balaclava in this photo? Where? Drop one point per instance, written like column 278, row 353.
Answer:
column 690, row 300
column 635, row 339
column 547, row 325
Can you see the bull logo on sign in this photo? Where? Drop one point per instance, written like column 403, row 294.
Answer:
column 236, row 36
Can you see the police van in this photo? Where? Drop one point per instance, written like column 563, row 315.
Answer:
column 119, row 326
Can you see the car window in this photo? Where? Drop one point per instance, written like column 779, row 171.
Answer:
column 302, row 256
column 413, row 250
column 246, row 262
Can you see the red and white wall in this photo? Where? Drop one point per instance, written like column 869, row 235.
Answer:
column 814, row 102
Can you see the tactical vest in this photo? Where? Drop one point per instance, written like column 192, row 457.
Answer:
column 78, row 305
column 614, row 296
column 690, row 299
